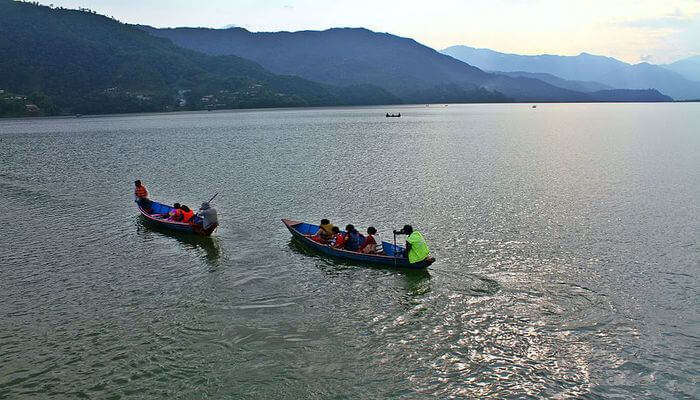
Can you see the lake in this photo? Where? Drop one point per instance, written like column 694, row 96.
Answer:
column 566, row 240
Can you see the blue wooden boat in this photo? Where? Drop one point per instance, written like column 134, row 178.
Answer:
column 302, row 232
column 157, row 215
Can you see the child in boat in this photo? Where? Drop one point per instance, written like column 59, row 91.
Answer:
column 176, row 213
column 187, row 214
column 338, row 240
column 372, row 243
column 353, row 238
column 325, row 232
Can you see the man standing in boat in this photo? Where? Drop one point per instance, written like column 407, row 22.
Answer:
column 416, row 248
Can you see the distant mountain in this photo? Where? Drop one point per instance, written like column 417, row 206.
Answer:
column 579, row 86
column 344, row 56
column 596, row 91
column 630, row 95
column 586, row 67
column 688, row 67
column 74, row 61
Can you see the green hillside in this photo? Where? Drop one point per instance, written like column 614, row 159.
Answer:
column 76, row 61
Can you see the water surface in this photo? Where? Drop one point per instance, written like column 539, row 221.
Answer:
column 566, row 238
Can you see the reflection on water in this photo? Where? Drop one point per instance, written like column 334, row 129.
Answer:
column 416, row 282
column 207, row 246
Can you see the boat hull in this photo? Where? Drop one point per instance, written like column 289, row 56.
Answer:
column 302, row 231
column 183, row 227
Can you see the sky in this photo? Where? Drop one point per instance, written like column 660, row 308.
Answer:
column 655, row 31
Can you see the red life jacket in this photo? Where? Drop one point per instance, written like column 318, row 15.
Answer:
column 141, row 191
column 187, row 215
column 339, row 240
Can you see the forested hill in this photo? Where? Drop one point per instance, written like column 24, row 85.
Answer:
column 76, row 61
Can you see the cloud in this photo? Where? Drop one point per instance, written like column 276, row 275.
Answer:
column 675, row 20
column 664, row 37
column 666, row 22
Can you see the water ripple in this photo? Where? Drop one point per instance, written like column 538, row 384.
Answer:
column 566, row 243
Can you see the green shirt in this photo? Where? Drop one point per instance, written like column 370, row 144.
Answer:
column 419, row 249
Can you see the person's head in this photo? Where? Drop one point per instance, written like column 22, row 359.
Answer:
column 137, row 183
column 204, row 206
column 176, row 205
column 185, row 208
column 349, row 228
column 407, row 229
column 325, row 222
column 371, row 230
column 336, row 229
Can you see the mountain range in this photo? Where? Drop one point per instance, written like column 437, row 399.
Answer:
column 671, row 79
column 341, row 56
column 579, row 86
column 61, row 61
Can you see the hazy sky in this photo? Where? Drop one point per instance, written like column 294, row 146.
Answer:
column 657, row 31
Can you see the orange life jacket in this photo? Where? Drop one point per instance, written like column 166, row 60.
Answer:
column 141, row 191
column 187, row 215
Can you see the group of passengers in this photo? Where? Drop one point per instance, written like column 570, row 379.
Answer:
column 350, row 240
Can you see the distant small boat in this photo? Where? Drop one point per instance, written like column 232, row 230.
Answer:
column 393, row 115
column 535, row 106
column 302, row 232
column 157, row 215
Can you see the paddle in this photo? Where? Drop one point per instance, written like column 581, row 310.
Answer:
column 395, row 249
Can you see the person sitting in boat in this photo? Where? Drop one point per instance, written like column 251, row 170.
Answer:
column 325, row 232
column 141, row 195
column 338, row 240
column 416, row 248
column 187, row 214
column 176, row 213
column 353, row 238
column 208, row 216
column 372, row 243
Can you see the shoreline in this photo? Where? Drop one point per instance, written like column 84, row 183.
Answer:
column 367, row 106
